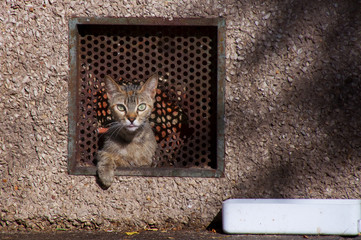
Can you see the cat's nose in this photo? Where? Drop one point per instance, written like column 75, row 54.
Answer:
column 131, row 119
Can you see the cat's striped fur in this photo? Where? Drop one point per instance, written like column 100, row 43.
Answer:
column 130, row 141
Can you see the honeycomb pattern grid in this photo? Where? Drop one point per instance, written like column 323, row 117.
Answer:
column 184, row 113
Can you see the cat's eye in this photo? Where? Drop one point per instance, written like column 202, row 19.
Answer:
column 121, row 107
column 142, row 107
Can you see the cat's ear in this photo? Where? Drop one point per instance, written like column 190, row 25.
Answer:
column 112, row 87
column 150, row 86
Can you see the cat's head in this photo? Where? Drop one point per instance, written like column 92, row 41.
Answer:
column 131, row 105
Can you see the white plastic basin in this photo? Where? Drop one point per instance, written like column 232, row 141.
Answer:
column 292, row 216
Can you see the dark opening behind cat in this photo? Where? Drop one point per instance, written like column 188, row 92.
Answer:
column 130, row 140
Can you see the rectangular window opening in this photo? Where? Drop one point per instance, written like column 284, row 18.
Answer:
column 188, row 115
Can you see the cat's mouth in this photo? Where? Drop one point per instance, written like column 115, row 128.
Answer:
column 132, row 127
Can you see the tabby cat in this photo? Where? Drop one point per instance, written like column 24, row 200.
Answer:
column 130, row 141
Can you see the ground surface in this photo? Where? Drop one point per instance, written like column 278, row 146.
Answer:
column 158, row 235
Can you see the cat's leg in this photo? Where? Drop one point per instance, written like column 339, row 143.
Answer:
column 105, row 168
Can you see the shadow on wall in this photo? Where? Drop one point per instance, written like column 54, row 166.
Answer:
column 314, row 128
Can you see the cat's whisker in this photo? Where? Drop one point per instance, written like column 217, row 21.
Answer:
column 115, row 129
column 119, row 129
column 109, row 125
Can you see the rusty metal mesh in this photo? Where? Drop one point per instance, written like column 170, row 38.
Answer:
column 184, row 115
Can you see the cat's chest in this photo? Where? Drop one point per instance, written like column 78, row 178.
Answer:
column 134, row 154
column 138, row 152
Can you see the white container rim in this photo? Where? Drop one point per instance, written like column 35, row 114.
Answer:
column 292, row 201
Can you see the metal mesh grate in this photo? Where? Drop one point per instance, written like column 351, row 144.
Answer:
column 184, row 118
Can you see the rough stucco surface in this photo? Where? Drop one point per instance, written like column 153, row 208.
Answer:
column 292, row 114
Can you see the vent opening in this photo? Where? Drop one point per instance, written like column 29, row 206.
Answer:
column 188, row 112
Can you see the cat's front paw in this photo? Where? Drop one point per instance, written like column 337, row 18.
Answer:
column 105, row 170
column 106, row 178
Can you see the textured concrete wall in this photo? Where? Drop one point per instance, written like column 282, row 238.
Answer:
column 292, row 114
